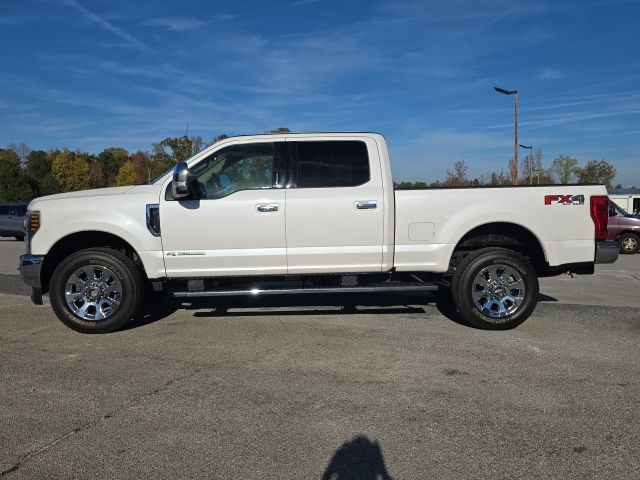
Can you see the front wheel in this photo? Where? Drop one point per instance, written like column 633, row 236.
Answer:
column 628, row 243
column 495, row 289
column 96, row 290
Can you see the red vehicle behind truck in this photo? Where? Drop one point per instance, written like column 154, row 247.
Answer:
column 624, row 228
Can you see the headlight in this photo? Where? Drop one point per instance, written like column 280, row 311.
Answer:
column 31, row 226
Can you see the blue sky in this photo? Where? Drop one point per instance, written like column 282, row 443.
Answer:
column 89, row 75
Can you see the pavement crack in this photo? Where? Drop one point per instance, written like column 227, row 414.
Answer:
column 27, row 456
column 47, row 446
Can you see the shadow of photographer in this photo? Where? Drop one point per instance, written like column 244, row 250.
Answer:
column 357, row 459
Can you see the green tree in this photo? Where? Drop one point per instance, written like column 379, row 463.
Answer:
column 38, row 167
column 597, row 171
column 13, row 183
column 217, row 138
column 70, row 171
column 126, row 175
column 177, row 149
column 48, row 186
column 280, row 130
column 565, row 168
column 112, row 159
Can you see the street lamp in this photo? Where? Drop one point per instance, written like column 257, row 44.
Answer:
column 515, row 121
column 530, row 162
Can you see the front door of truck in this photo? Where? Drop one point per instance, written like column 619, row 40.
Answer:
column 237, row 226
column 335, row 206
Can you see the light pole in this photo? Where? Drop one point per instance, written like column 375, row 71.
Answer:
column 530, row 162
column 515, row 122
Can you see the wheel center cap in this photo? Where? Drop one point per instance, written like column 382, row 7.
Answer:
column 499, row 290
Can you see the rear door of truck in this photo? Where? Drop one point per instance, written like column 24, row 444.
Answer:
column 335, row 205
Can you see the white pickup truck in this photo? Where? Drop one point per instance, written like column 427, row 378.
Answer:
column 304, row 213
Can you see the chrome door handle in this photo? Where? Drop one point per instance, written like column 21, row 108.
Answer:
column 369, row 205
column 267, row 207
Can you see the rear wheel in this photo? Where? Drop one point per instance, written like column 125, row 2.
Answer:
column 495, row 289
column 96, row 290
column 629, row 243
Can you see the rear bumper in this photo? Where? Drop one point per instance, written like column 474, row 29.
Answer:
column 30, row 266
column 607, row 251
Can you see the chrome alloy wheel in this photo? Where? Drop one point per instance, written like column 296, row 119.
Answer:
column 629, row 244
column 93, row 292
column 498, row 291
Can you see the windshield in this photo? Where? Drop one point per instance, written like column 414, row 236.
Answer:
column 151, row 182
column 619, row 208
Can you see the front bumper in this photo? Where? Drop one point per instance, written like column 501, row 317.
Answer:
column 30, row 266
column 607, row 251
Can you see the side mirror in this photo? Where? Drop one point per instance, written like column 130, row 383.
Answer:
column 612, row 212
column 180, row 186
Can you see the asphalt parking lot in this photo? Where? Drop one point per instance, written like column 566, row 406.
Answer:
column 315, row 389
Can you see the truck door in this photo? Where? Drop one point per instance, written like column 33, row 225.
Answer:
column 335, row 214
column 237, row 227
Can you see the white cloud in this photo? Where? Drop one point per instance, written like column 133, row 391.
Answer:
column 175, row 23
column 551, row 74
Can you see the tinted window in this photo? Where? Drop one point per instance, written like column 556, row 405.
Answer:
column 4, row 210
column 239, row 167
column 332, row 164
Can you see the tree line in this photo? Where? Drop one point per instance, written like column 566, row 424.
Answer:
column 26, row 173
column 564, row 169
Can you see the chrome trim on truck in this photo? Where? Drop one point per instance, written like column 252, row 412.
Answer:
column 607, row 251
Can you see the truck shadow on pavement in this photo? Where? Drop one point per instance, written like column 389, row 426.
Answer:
column 357, row 459
column 284, row 306
column 305, row 305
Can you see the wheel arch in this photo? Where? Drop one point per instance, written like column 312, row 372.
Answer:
column 502, row 234
column 77, row 241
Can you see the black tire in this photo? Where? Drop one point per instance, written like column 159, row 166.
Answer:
column 467, row 281
column 20, row 238
column 628, row 243
column 124, row 271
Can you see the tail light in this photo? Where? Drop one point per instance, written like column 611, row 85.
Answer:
column 600, row 215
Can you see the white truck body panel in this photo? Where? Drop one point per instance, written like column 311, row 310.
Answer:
column 316, row 230
column 565, row 231
column 327, row 233
column 226, row 236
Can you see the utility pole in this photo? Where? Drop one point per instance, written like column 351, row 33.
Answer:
column 515, row 129
column 530, row 157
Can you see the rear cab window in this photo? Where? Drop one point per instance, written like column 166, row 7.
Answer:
column 331, row 163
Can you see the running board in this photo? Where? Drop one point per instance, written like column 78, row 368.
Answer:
column 292, row 291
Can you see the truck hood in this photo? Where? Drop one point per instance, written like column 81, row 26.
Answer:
column 97, row 192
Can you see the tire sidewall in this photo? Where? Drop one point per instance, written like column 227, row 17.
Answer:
column 130, row 291
column 466, row 305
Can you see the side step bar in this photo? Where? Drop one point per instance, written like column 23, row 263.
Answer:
column 292, row 291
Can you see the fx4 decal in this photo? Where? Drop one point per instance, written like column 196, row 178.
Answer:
column 564, row 199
